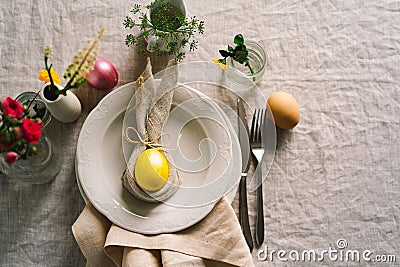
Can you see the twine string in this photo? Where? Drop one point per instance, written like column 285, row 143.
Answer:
column 143, row 142
column 152, row 143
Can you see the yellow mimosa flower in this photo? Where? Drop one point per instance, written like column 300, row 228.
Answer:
column 215, row 61
column 44, row 76
column 221, row 65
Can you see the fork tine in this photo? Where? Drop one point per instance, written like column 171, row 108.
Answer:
column 259, row 116
column 261, row 124
column 253, row 126
column 257, row 126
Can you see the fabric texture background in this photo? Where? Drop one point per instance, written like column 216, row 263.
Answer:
column 335, row 176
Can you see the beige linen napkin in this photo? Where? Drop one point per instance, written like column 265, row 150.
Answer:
column 216, row 240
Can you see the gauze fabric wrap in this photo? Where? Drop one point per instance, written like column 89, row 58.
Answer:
column 151, row 128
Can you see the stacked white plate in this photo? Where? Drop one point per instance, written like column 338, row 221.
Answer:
column 100, row 163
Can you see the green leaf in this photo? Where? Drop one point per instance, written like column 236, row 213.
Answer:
column 201, row 27
column 130, row 39
column 129, row 23
column 231, row 49
column 136, row 9
column 240, row 56
column 222, row 60
column 239, row 40
column 224, row 53
column 193, row 45
column 240, row 48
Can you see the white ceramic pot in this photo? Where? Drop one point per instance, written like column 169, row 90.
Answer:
column 66, row 108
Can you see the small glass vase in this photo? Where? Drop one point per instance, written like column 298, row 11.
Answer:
column 37, row 108
column 257, row 59
column 38, row 168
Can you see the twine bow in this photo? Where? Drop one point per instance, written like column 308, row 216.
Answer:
column 152, row 143
column 147, row 144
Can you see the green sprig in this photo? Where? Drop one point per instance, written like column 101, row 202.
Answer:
column 238, row 53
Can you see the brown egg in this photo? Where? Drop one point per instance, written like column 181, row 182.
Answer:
column 285, row 109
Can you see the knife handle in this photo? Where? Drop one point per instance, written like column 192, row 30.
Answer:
column 243, row 213
column 260, row 213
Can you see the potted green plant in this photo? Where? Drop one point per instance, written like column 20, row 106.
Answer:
column 165, row 27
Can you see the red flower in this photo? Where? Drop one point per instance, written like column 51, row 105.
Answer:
column 11, row 107
column 31, row 131
column 11, row 157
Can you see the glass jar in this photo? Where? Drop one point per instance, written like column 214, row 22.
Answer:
column 37, row 168
column 46, row 163
column 37, row 108
column 257, row 60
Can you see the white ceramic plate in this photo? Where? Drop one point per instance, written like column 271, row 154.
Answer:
column 100, row 164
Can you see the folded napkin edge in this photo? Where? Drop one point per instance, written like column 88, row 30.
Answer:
column 214, row 252
column 239, row 261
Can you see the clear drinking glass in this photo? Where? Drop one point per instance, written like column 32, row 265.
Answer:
column 257, row 60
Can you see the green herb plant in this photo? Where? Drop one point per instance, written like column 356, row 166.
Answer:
column 167, row 23
column 239, row 53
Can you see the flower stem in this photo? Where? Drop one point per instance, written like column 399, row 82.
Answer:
column 48, row 69
column 250, row 68
column 31, row 101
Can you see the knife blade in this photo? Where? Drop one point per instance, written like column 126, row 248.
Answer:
column 243, row 135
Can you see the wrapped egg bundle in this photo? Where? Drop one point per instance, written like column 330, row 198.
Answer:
column 149, row 176
column 153, row 179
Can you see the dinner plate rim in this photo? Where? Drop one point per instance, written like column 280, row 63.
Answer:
column 201, row 211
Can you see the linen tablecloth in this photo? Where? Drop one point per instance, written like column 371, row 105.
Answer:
column 335, row 178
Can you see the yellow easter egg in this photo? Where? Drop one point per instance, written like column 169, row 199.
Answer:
column 151, row 170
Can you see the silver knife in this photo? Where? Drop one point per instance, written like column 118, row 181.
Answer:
column 245, row 149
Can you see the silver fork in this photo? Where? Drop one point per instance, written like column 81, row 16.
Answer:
column 257, row 152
